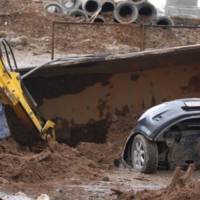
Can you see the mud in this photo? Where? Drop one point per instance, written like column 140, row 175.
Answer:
column 87, row 172
column 182, row 186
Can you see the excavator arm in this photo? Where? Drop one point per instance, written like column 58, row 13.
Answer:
column 14, row 94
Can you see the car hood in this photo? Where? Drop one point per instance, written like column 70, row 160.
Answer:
column 159, row 117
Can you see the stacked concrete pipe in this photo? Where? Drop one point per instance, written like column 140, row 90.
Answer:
column 99, row 11
column 77, row 13
column 69, row 5
column 125, row 12
column 164, row 21
column 99, row 19
column 146, row 12
column 54, row 8
column 107, row 6
column 90, row 7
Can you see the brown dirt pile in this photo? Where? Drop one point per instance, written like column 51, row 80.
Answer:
column 23, row 170
column 25, row 18
column 181, row 187
column 163, row 38
column 105, row 154
column 85, row 162
column 29, row 18
column 8, row 7
column 19, row 164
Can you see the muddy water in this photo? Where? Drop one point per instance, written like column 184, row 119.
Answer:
column 123, row 180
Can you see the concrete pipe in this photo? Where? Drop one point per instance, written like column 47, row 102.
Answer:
column 70, row 4
column 126, row 12
column 108, row 6
column 91, row 6
column 147, row 12
column 78, row 13
column 99, row 19
column 54, row 8
column 164, row 21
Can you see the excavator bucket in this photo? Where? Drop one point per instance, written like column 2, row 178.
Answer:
column 25, row 121
column 84, row 95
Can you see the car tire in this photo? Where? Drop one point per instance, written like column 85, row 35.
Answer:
column 144, row 155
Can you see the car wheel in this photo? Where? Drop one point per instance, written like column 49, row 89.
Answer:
column 144, row 155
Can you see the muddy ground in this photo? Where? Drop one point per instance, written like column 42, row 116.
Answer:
column 79, row 172
column 86, row 171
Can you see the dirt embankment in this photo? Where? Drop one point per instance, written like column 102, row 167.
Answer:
column 25, row 18
column 29, row 19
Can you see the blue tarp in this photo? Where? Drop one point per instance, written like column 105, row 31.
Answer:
column 4, row 129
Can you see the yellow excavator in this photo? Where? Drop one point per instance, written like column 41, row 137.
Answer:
column 22, row 107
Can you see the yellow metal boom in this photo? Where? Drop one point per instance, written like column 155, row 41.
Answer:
column 13, row 94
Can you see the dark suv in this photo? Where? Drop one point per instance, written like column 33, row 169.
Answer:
column 166, row 135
